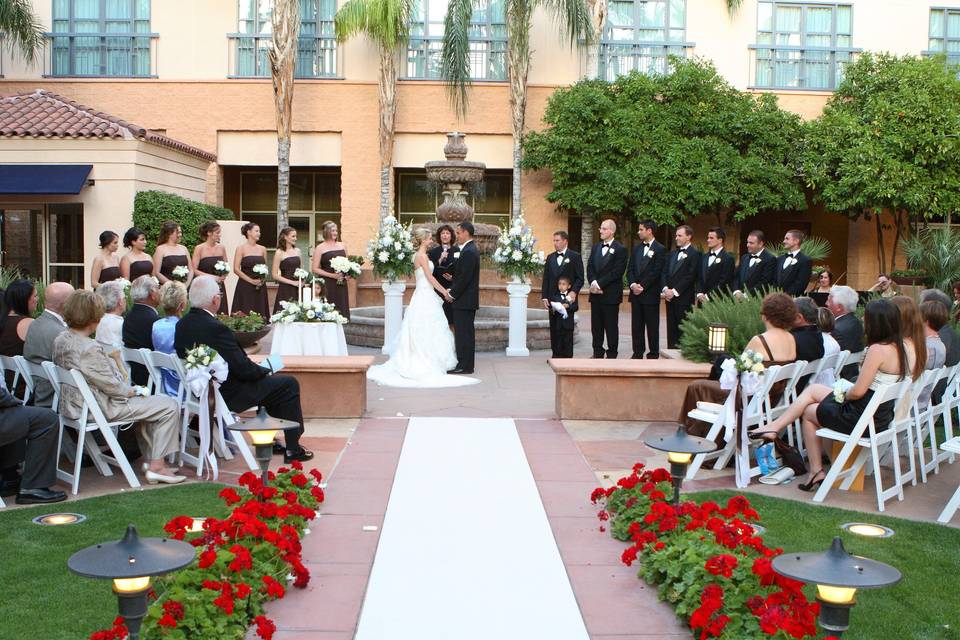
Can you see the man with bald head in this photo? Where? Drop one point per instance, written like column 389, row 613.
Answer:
column 41, row 334
column 608, row 261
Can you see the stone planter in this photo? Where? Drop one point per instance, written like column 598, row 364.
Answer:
column 518, row 290
column 247, row 339
column 393, row 311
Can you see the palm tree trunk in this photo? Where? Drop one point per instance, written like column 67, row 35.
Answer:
column 283, row 57
column 518, row 66
column 388, row 113
column 586, row 238
column 598, row 17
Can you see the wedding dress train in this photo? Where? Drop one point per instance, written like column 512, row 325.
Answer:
column 423, row 350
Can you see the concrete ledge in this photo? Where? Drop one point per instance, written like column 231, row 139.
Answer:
column 330, row 387
column 588, row 389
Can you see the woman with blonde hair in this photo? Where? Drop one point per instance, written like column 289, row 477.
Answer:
column 330, row 248
column 423, row 350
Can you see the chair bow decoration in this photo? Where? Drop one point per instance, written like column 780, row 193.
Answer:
column 206, row 370
column 742, row 384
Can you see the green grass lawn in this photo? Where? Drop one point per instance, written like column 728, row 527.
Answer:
column 41, row 598
column 925, row 605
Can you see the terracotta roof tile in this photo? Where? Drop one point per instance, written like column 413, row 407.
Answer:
column 46, row 115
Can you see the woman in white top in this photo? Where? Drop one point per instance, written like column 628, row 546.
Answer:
column 825, row 321
column 110, row 330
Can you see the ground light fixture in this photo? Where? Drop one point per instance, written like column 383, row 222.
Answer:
column 131, row 563
column 680, row 448
column 262, row 429
column 57, row 519
column 196, row 525
column 717, row 338
column 837, row 575
column 867, row 530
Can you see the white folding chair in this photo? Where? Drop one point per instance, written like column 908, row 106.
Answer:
column 139, row 356
column 790, row 374
column 8, row 364
column 840, row 362
column 871, row 442
column 925, row 424
column 953, row 446
column 950, row 403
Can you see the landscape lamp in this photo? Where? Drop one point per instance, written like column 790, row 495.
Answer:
column 262, row 429
column 717, row 338
column 680, row 448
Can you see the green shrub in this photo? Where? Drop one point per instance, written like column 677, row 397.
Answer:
column 152, row 208
column 935, row 253
column 10, row 274
column 742, row 318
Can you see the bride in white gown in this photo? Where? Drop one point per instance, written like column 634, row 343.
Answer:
column 423, row 350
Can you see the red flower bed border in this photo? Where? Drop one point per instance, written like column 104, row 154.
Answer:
column 243, row 561
column 705, row 560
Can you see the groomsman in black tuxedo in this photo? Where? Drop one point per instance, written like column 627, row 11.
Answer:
column 564, row 262
column 793, row 267
column 758, row 267
column 679, row 283
column 716, row 266
column 644, row 276
column 608, row 261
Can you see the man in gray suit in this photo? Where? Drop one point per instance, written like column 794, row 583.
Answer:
column 41, row 334
column 38, row 428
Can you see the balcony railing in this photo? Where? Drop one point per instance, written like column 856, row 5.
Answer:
column 248, row 56
column 799, row 68
column 488, row 59
column 101, row 55
column 619, row 58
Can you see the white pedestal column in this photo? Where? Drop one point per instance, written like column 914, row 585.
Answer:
column 392, row 310
column 517, row 341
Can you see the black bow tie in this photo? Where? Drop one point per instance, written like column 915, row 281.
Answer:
column 606, row 245
column 683, row 250
column 754, row 256
column 715, row 255
column 644, row 244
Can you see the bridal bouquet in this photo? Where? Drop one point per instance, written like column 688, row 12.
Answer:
column 222, row 268
column 304, row 276
column 260, row 270
column 318, row 310
column 344, row 267
column 391, row 250
column 515, row 255
column 180, row 273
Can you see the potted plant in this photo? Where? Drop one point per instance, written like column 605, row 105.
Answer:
column 248, row 328
column 909, row 276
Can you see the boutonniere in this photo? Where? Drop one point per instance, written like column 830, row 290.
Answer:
column 564, row 260
column 456, row 254
column 789, row 262
column 681, row 256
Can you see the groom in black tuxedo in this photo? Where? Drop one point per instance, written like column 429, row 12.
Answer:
column 464, row 295
column 564, row 262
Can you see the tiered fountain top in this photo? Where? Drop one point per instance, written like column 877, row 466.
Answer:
column 455, row 169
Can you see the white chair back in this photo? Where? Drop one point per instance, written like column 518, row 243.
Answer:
column 840, row 361
column 29, row 371
column 157, row 363
column 139, row 356
column 9, row 365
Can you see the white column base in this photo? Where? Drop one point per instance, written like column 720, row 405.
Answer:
column 517, row 339
column 392, row 311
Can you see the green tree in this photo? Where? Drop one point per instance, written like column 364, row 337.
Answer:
column 886, row 146
column 22, row 27
column 668, row 147
column 387, row 24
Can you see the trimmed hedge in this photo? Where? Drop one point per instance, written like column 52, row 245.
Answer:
column 152, row 208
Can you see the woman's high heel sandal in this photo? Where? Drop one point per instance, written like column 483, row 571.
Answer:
column 813, row 484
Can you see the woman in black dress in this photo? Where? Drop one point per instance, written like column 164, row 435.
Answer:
column 326, row 251
column 106, row 266
column 442, row 258
column 137, row 262
column 251, row 292
column 286, row 260
column 171, row 254
column 208, row 253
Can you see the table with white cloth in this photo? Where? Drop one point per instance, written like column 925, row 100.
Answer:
column 308, row 339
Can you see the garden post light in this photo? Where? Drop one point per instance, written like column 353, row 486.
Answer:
column 680, row 448
column 837, row 575
column 262, row 429
column 717, row 338
column 130, row 563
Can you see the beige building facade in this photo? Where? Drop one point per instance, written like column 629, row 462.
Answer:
column 194, row 70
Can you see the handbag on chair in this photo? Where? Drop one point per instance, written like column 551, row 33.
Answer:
column 790, row 455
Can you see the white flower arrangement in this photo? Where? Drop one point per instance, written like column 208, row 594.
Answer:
column 750, row 361
column 222, row 267
column 180, row 273
column 515, row 255
column 344, row 266
column 317, row 310
column 200, row 356
column 304, row 276
column 840, row 388
column 391, row 250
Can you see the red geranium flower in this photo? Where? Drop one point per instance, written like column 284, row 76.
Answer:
column 230, row 496
column 273, row 588
column 721, row 565
column 299, row 480
column 265, row 627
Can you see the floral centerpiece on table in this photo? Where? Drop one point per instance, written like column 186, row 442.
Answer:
column 344, row 267
column 515, row 255
column 318, row 310
column 221, row 268
column 260, row 270
column 180, row 273
column 391, row 250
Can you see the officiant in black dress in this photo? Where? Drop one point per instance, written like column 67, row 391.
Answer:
column 442, row 257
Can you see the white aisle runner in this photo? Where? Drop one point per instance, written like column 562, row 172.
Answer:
column 466, row 551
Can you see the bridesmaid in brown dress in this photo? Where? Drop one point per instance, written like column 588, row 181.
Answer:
column 286, row 260
column 208, row 253
column 171, row 254
column 251, row 292
column 137, row 262
column 327, row 250
column 106, row 266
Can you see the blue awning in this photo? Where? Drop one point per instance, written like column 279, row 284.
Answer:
column 43, row 179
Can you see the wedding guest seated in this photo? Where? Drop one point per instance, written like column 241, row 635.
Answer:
column 806, row 331
column 886, row 287
column 830, row 345
column 38, row 428
column 157, row 417
column 847, row 329
column 173, row 300
column 949, row 337
column 889, row 359
column 110, row 330
column 824, row 282
column 38, row 347
column 564, row 327
column 248, row 384
column 776, row 345
column 138, row 325
column 18, row 306
column 934, row 316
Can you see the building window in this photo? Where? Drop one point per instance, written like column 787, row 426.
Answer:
column 316, row 46
column 488, row 40
column 639, row 36
column 417, row 197
column 945, row 34
column 802, row 45
column 102, row 38
column 45, row 242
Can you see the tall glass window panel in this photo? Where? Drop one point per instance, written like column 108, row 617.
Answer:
column 639, row 36
column 487, row 36
column 945, row 34
column 112, row 47
column 417, row 197
column 316, row 45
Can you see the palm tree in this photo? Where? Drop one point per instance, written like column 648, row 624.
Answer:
column 572, row 16
column 23, row 27
column 285, row 25
column 387, row 23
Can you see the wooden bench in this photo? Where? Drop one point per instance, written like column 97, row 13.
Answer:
column 589, row 389
column 330, row 386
